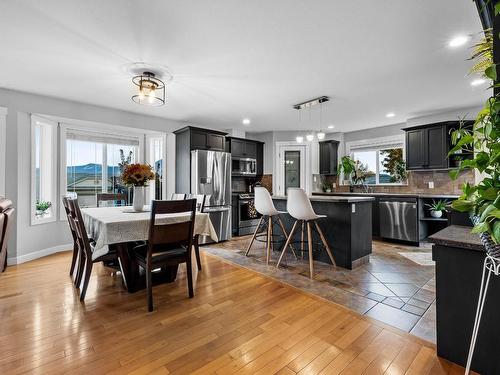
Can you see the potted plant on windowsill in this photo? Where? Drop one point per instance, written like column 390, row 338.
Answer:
column 138, row 176
column 436, row 209
column 42, row 207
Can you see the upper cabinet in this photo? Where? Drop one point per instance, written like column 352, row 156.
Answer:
column 328, row 159
column 202, row 139
column 427, row 146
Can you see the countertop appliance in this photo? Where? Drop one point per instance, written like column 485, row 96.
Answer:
column 211, row 175
column 243, row 166
column 399, row 218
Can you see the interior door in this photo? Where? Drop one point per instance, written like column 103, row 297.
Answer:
column 292, row 168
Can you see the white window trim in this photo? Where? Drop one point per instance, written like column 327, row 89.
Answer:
column 140, row 134
column 374, row 144
column 3, row 148
column 306, row 176
column 148, row 157
column 54, row 200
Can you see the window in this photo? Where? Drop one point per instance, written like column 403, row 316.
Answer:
column 43, row 170
column 380, row 161
column 156, row 159
column 94, row 163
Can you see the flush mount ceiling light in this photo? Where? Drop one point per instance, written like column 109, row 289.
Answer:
column 390, row 114
column 478, row 82
column 246, row 121
column 150, row 90
column 458, row 41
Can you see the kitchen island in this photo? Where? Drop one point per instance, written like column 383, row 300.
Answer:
column 347, row 228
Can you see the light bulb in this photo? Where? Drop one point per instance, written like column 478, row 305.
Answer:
column 141, row 94
column 151, row 96
column 310, row 137
column 299, row 139
column 320, row 135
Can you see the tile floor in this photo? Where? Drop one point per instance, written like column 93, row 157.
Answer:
column 390, row 288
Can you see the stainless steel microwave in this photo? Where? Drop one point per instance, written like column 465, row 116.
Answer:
column 243, row 167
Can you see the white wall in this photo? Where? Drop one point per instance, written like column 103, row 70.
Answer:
column 28, row 242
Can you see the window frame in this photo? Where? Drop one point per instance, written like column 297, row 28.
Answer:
column 377, row 145
column 35, row 121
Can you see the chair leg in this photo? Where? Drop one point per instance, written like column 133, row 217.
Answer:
column 290, row 236
column 197, row 252
column 189, row 272
column 149, row 285
column 286, row 236
column 325, row 243
column 302, row 240
column 310, row 241
column 81, row 268
column 86, row 278
column 73, row 259
column 254, row 235
column 479, row 312
column 268, row 245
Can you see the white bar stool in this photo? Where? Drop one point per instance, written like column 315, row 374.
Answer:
column 299, row 207
column 264, row 205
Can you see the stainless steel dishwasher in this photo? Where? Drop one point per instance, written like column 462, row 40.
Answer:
column 398, row 219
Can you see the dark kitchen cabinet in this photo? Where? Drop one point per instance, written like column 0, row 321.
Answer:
column 426, row 147
column 328, row 157
column 206, row 140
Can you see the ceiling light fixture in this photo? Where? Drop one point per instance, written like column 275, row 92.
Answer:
column 310, row 137
column 390, row 114
column 458, row 41
column 331, row 126
column 299, row 139
column 320, row 135
column 478, row 82
column 151, row 90
column 246, row 121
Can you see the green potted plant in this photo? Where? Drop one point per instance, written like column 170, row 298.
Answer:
column 436, row 208
column 327, row 188
column 42, row 207
column 482, row 200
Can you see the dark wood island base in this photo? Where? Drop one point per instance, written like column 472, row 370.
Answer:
column 347, row 228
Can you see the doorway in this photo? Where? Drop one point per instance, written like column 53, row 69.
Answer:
column 292, row 167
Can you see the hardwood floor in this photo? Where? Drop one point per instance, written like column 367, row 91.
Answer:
column 238, row 322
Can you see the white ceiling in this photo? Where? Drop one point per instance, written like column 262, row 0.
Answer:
column 239, row 58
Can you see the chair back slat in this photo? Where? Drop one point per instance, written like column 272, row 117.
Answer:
column 8, row 215
column 65, row 201
column 106, row 197
column 76, row 222
column 174, row 233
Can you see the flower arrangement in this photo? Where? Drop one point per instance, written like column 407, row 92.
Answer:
column 137, row 174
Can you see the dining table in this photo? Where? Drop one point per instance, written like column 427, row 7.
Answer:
column 120, row 228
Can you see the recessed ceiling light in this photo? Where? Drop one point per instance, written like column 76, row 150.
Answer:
column 331, row 126
column 458, row 41
column 477, row 82
column 246, row 121
column 390, row 114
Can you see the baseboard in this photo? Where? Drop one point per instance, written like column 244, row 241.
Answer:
column 39, row 254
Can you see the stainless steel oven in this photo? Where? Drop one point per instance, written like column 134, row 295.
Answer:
column 248, row 217
column 243, row 166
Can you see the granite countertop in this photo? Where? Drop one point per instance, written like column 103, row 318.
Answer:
column 457, row 236
column 412, row 195
column 333, row 198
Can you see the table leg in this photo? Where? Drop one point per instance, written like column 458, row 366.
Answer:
column 128, row 266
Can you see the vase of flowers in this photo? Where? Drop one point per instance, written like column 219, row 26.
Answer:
column 138, row 176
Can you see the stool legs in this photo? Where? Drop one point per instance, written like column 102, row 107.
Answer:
column 310, row 243
column 290, row 236
column 323, row 239
column 286, row 235
column 269, row 233
column 479, row 312
column 254, row 235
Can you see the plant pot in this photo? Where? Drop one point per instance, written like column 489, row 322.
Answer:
column 328, row 190
column 436, row 214
column 139, row 198
column 492, row 249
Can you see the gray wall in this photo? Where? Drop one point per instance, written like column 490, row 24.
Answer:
column 27, row 239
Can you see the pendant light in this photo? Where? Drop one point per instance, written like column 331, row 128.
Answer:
column 310, row 136
column 320, row 134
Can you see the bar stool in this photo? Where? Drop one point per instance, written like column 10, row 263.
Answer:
column 300, row 208
column 264, row 205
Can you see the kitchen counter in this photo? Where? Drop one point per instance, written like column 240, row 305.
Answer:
column 459, row 237
column 408, row 195
column 347, row 228
column 333, row 198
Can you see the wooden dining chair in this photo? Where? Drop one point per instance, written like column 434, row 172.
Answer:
column 200, row 207
column 84, row 248
column 6, row 218
column 115, row 197
column 168, row 244
column 74, row 257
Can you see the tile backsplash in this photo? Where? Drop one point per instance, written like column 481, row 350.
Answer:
column 418, row 182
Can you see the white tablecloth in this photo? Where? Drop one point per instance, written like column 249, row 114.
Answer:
column 111, row 225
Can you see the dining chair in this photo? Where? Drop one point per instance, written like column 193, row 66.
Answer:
column 115, row 197
column 6, row 218
column 299, row 207
column 74, row 257
column 168, row 244
column 200, row 207
column 84, row 248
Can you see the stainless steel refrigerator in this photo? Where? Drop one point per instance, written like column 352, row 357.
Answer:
column 211, row 175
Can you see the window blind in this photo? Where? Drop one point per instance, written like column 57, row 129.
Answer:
column 98, row 137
